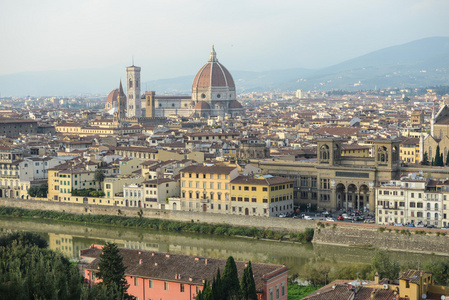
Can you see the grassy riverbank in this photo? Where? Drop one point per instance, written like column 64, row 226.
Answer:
column 158, row 224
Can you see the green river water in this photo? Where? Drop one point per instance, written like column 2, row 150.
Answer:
column 70, row 238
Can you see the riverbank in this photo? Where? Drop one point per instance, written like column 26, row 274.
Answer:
column 159, row 224
column 406, row 239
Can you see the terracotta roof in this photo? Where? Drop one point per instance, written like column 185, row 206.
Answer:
column 213, row 74
column 260, row 181
column 112, row 96
column 208, row 170
column 235, row 104
column 202, row 105
column 179, row 268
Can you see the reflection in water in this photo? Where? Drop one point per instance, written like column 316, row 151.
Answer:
column 71, row 238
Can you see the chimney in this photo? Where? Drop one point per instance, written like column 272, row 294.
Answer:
column 140, row 252
column 155, row 264
column 152, row 254
column 167, row 255
column 140, row 261
column 205, row 261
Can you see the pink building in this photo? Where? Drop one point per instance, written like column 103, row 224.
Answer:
column 164, row 276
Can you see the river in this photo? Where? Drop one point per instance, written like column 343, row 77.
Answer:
column 70, row 238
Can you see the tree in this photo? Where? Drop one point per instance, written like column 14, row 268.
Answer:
column 112, row 270
column 438, row 157
column 217, row 286
column 206, row 293
column 425, row 159
column 230, row 280
column 447, row 159
column 384, row 266
column 248, row 286
column 99, row 177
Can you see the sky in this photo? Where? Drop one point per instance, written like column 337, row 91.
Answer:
column 171, row 38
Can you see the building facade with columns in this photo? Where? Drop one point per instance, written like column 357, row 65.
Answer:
column 335, row 182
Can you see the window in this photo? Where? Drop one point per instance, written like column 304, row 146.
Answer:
column 182, row 287
column 136, row 281
column 265, row 189
column 253, row 188
column 166, row 286
column 246, row 188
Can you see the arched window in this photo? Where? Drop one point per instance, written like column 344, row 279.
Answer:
column 324, row 152
column 382, row 154
column 130, row 83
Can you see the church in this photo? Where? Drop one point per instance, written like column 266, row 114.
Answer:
column 213, row 94
column 439, row 135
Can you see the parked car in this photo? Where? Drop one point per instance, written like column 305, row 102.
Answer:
column 430, row 226
column 370, row 221
column 398, row 224
column 308, row 218
column 345, row 216
column 420, row 225
column 340, row 218
column 411, row 225
column 330, row 219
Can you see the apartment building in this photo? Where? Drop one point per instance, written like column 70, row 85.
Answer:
column 413, row 200
column 206, row 188
column 261, row 195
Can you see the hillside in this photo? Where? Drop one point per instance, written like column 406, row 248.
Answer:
column 419, row 63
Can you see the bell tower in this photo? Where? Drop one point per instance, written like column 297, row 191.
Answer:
column 329, row 151
column 134, row 106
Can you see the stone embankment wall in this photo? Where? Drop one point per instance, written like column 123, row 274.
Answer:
column 335, row 233
column 390, row 237
column 284, row 224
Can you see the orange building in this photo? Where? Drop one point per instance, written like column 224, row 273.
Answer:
column 164, row 276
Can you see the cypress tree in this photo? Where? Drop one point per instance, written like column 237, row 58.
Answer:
column 112, row 270
column 438, row 159
column 217, row 289
column 248, row 286
column 425, row 159
column 447, row 159
column 230, row 280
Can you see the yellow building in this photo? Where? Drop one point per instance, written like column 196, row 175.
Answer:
column 206, row 188
column 409, row 150
column 355, row 150
column 262, row 195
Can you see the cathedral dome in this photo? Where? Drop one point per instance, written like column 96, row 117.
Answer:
column 235, row 105
column 202, row 105
column 213, row 74
column 112, row 96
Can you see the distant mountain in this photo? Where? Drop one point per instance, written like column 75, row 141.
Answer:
column 419, row 63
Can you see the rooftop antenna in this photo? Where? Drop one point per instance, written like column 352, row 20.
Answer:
column 133, row 59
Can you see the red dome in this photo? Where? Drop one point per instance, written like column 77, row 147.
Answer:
column 213, row 74
column 235, row 104
column 112, row 96
column 202, row 105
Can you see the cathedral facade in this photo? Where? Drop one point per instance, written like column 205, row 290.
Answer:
column 213, row 94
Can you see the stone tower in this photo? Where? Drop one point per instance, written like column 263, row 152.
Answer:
column 121, row 103
column 149, row 98
column 133, row 90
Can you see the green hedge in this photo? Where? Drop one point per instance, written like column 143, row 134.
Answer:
column 158, row 224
